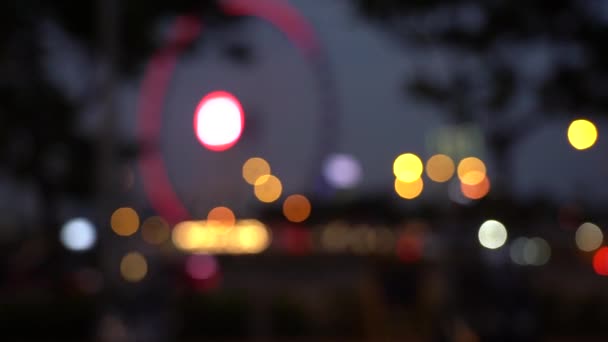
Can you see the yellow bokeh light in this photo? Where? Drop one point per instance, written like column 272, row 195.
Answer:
column 187, row 235
column 255, row 168
column 133, row 267
column 409, row 190
column 296, row 208
column 124, row 221
column 221, row 216
column 246, row 237
column 268, row 188
column 440, row 168
column 476, row 191
column 582, row 134
column 471, row 171
column 253, row 237
column 407, row 167
column 155, row 230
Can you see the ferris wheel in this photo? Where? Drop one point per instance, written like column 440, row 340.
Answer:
column 285, row 111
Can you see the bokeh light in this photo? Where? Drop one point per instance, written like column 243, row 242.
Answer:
column 78, row 234
column 407, row 167
column 516, row 250
column 492, row 234
column 255, row 168
column 477, row 191
column 124, row 221
column 440, row 168
column 155, row 230
column 409, row 190
column 246, row 237
column 221, row 216
column 600, row 261
column 186, row 234
column 296, row 208
column 471, row 171
column 201, row 266
column 133, row 267
column 588, row 237
column 218, row 121
column 536, row 252
column 342, row 171
column 582, row 134
column 253, row 237
column 268, row 188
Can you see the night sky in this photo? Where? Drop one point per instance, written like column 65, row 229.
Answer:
column 280, row 98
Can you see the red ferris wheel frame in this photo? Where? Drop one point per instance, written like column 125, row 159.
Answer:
column 185, row 30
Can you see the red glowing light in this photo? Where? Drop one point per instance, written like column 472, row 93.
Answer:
column 600, row 261
column 218, row 121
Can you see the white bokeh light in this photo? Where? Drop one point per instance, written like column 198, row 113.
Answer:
column 218, row 121
column 342, row 171
column 78, row 234
column 492, row 234
column 589, row 237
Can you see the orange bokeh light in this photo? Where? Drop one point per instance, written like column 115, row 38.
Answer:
column 409, row 190
column 471, row 171
column 477, row 191
column 296, row 208
column 221, row 216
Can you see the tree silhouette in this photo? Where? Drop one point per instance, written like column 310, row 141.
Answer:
column 505, row 66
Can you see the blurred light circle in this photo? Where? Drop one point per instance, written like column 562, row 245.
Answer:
column 78, row 234
column 536, row 252
column 582, row 134
column 471, row 171
column 440, row 168
column 600, row 261
column 133, row 267
column 477, row 191
column 221, row 216
column 409, row 190
column 124, row 221
column 268, row 188
column 407, row 167
column 201, row 266
column 492, row 234
column 296, row 208
column 342, row 171
column 255, row 168
column 588, row 237
column 218, row 121
column 155, row 230
column 516, row 251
